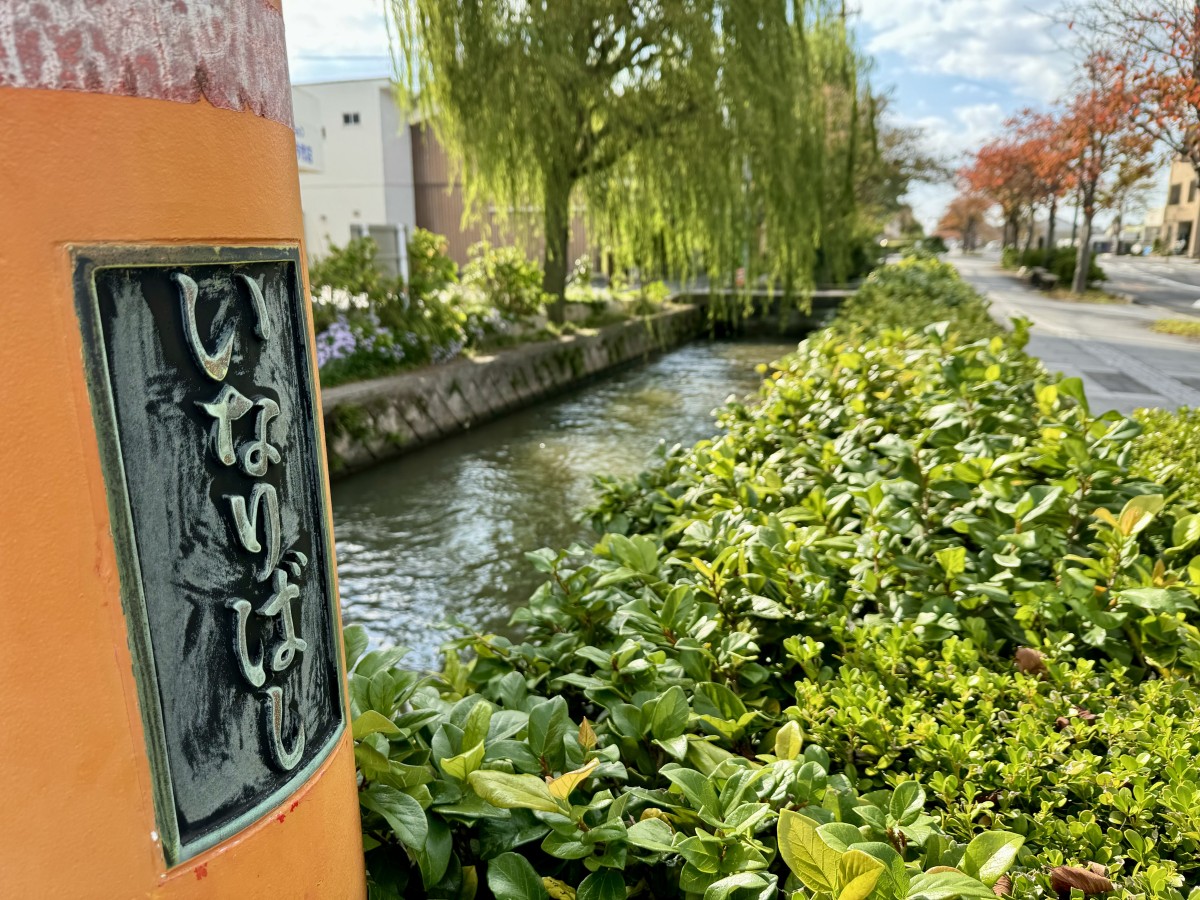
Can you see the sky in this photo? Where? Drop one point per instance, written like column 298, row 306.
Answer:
column 955, row 68
column 959, row 68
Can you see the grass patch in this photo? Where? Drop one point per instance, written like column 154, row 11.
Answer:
column 1184, row 327
column 1091, row 296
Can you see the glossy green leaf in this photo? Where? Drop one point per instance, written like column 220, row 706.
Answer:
column 511, row 877
column 402, row 813
column 652, row 834
column 908, row 800
column 603, row 885
column 990, row 855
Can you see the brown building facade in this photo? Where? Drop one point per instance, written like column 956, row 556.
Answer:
column 440, row 205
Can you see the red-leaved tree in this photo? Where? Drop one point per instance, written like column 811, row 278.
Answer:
column 1100, row 138
column 965, row 219
column 1047, row 152
column 1000, row 172
column 1155, row 45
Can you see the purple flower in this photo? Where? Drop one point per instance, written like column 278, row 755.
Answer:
column 335, row 342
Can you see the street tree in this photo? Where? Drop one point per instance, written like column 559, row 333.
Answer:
column 1155, row 44
column 1101, row 138
column 1000, row 171
column 965, row 219
column 902, row 159
column 1047, row 154
column 1132, row 177
column 728, row 133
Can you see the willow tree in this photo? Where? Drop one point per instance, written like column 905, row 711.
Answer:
column 720, row 133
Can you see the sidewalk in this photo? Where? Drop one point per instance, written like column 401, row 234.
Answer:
column 1124, row 365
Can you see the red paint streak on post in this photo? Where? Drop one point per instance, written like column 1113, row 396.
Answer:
column 201, row 871
column 279, row 818
column 292, row 808
column 230, row 52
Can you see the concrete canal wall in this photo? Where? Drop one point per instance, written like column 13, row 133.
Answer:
column 372, row 421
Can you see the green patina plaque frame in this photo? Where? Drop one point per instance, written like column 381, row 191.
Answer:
column 87, row 263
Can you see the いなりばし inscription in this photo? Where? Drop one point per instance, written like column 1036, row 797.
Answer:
column 204, row 401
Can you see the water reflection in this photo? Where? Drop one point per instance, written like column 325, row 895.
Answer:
column 442, row 533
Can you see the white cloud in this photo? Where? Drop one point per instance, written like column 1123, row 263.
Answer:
column 1007, row 53
column 327, row 41
column 1004, row 40
column 954, row 135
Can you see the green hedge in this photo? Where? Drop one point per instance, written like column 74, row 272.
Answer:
column 1061, row 262
column 1168, row 450
column 911, row 622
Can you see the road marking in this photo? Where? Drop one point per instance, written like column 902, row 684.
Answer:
column 1160, row 278
column 1171, row 390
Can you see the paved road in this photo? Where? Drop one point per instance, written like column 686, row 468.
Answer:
column 1172, row 282
column 1124, row 365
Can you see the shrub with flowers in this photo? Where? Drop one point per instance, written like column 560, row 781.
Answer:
column 359, row 348
column 369, row 325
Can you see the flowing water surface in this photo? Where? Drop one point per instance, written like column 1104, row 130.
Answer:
column 442, row 533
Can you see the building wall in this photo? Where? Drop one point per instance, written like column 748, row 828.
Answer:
column 306, row 122
column 1183, row 206
column 399, row 196
column 382, row 172
column 349, row 191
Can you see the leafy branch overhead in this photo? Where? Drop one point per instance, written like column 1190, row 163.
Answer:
column 721, row 134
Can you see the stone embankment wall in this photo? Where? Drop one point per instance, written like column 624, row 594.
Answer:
column 371, row 421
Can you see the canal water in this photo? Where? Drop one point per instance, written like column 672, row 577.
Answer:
column 442, row 533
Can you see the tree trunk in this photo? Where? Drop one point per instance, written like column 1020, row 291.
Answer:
column 1029, row 233
column 1083, row 256
column 1050, row 231
column 557, row 225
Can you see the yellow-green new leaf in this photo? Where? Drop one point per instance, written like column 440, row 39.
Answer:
column 463, row 764
column 562, row 786
column 372, row 722
column 1139, row 512
column 809, row 857
column 858, row 874
column 587, row 734
column 507, row 791
column 788, row 740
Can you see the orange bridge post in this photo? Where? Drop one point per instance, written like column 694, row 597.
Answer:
column 173, row 715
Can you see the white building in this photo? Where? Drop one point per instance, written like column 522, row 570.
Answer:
column 357, row 180
column 367, row 171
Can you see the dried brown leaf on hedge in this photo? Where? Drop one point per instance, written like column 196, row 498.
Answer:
column 1031, row 662
column 1090, row 881
column 1003, row 886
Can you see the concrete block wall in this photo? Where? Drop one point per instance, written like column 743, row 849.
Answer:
column 373, row 421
